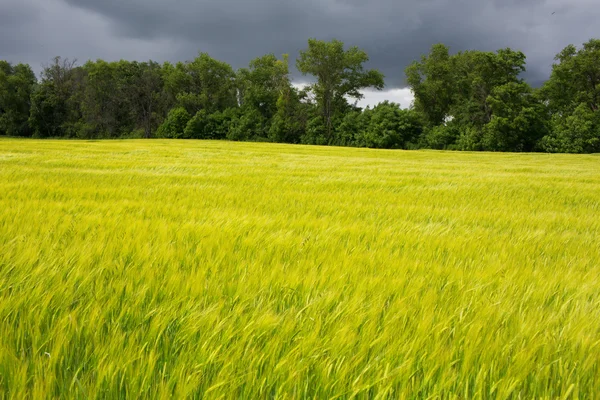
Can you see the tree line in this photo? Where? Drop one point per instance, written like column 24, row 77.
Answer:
column 471, row 100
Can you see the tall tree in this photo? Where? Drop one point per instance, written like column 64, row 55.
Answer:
column 388, row 126
column 16, row 86
column 519, row 119
column 262, row 83
column 260, row 86
column 573, row 96
column 105, row 107
column 490, row 107
column 339, row 73
column 202, row 84
column 144, row 88
column 432, row 81
column 476, row 75
column 288, row 125
column 575, row 78
column 55, row 106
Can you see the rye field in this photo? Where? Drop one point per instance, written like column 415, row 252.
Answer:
column 199, row 269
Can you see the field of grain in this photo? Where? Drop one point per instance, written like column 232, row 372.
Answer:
column 174, row 269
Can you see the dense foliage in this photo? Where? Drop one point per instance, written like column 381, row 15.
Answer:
column 470, row 100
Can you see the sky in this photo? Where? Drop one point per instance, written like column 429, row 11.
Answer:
column 393, row 32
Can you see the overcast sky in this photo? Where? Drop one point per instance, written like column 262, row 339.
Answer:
column 393, row 32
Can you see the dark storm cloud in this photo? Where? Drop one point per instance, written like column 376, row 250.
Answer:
column 12, row 37
column 394, row 32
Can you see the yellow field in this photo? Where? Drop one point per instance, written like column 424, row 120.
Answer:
column 157, row 269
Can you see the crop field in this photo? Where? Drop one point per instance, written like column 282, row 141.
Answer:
column 188, row 269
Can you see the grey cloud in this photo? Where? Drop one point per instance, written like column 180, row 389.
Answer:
column 393, row 32
column 12, row 35
column 34, row 31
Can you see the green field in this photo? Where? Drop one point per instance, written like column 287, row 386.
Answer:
column 158, row 269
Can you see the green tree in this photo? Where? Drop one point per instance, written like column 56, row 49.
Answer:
column 389, row 127
column 476, row 100
column 576, row 132
column 573, row 96
column 16, row 86
column 339, row 75
column 441, row 137
column 143, row 85
column 432, row 80
column 123, row 98
column 288, row 125
column 174, row 125
column 105, row 105
column 260, row 87
column 262, row 83
column 55, row 104
column 202, row 84
column 351, row 127
column 214, row 126
column 250, row 124
column 519, row 120
column 575, row 78
column 477, row 74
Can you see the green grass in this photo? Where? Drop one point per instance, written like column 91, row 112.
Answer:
column 157, row 269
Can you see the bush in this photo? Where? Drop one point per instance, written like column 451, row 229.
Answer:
column 442, row 137
column 250, row 125
column 577, row 133
column 175, row 124
column 210, row 126
column 315, row 132
column 348, row 130
column 389, row 127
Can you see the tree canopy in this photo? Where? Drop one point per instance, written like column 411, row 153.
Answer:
column 468, row 100
column 339, row 75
